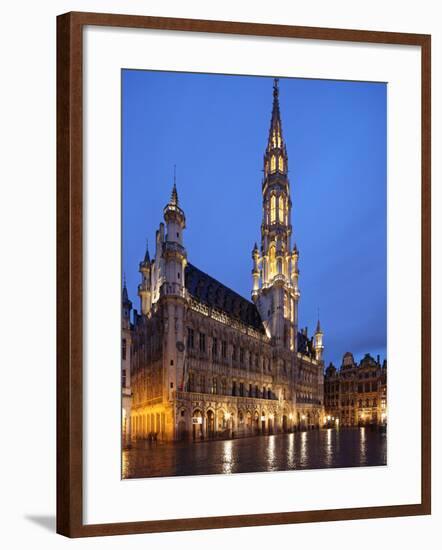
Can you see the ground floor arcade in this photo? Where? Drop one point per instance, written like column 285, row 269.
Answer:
column 196, row 416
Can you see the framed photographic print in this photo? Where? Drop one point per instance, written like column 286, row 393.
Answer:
column 243, row 216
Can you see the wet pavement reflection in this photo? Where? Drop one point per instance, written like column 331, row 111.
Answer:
column 327, row 448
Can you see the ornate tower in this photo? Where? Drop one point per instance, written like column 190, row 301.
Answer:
column 174, row 253
column 275, row 267
column 145, row 287
column 126, row 306
column 164, row 275
column 319, row 344
column 172, row 294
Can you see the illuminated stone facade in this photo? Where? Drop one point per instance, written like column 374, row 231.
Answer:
column 206, row 362
column 356, row 394
column 126, row 356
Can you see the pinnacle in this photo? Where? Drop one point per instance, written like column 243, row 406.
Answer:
column 174, row 196
column 147, row 256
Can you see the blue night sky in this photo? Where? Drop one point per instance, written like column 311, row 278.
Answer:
column 215, row 128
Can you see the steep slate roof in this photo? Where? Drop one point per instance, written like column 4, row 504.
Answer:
column 212, row 293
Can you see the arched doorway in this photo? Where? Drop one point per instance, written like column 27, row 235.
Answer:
column 231, row 424
column 285, row 428
column 210, row 423
column 249, row 423
column 222, row 422
column 276, row 424
column 263, row 423
column 256, row 422
column 182, row 425
column 197, row 425
column 241, row 422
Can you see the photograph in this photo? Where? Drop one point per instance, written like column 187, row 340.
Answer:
column 253, row 274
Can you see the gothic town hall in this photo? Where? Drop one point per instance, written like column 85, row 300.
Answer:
column 201, row 361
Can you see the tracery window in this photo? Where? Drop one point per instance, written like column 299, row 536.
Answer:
column 281, row 209
column 214, row 347
column 202, row 342
column 191, row 382
column 272, row 209
column 272, row 261
column 223, row 349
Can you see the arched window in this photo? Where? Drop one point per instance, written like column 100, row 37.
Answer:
column 279, row 265
column 272, row 261
column 281, row 209
column 273, row 164
column 272, row 208
column 280, row 164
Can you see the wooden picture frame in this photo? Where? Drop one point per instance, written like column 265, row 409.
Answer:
column 70, row 272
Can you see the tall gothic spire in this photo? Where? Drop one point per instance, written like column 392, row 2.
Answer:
column 275, row 124
column 275, row 158
column 275, row 271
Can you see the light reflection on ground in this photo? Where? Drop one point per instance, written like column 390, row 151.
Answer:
column 327, row 448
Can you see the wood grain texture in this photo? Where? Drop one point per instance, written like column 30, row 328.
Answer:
column 70, row 269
